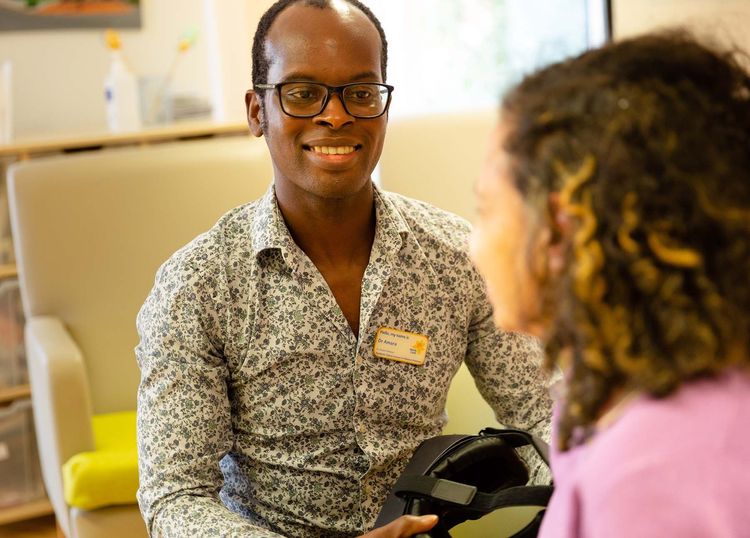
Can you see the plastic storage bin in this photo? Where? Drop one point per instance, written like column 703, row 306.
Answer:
column 20, row 474
column 7, row 255
column 13, row 370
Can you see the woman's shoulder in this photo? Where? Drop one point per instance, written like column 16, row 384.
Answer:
column 705, row 418
column 670, row 467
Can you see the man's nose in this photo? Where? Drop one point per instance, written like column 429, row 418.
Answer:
column 334, row 114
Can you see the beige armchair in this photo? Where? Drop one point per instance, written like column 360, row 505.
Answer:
column 90, row 232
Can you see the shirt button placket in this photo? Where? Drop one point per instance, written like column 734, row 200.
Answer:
column 359, row 422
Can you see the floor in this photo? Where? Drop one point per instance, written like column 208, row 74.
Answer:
column 41, row 527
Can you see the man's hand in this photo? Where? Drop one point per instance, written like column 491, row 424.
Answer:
column 403, row 527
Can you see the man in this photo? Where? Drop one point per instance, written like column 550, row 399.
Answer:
column 295, row 355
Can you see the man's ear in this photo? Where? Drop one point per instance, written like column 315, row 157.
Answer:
column 254, row 113
column 561, row 229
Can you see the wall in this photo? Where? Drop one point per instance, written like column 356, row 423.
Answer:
column 58, row 75
column 725, row 20
column 236, row 21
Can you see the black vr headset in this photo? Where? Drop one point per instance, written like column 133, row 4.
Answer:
column 463, row 477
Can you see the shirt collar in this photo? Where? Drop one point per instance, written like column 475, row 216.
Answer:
column 269, row 230
column 391, row 228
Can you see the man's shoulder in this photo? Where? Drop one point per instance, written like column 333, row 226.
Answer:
column 236, row 225
column 230, row 236
column 429, row 222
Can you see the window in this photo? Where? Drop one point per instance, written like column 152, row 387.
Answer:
column 449, row 55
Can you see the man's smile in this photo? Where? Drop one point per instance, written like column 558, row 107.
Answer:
column 334, row 150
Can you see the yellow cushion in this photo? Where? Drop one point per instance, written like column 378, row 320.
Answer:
column 109, row 474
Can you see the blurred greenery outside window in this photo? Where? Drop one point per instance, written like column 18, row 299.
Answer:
column 452, row 55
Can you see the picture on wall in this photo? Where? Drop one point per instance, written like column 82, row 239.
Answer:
column 21, row 15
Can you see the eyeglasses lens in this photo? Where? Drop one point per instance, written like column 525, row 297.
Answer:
column 306, row 99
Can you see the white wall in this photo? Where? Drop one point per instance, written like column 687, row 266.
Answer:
column 235, row 23
column 725, row 20
column 58, row 75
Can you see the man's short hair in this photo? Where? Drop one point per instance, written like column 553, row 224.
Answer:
column 260, row 60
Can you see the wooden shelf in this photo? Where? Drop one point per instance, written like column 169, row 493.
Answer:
column 21, row 512
column 8, row 394
column 25, row 149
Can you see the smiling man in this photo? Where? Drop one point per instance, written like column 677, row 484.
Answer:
column 295, row 355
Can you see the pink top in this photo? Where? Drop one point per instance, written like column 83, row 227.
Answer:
column 673, row 467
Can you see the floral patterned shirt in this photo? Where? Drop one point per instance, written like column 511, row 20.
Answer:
column 260, row 413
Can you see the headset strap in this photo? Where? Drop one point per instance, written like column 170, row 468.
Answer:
column 515, row 496
column 468, row 497
column 519, row 438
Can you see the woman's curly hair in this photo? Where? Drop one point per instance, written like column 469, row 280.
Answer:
column 647, row 142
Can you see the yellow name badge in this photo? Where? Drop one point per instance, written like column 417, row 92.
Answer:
column 402, row 346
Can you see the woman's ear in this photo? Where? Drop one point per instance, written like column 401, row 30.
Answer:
column 561, row 228
column 254, row 113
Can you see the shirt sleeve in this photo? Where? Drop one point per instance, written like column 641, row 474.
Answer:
column 184, row 420
column 507, row 369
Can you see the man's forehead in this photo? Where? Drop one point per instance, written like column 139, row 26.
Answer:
column 302, row 28
column 343, row 8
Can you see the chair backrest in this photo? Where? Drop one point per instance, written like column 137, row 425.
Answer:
column 91, row 230
column 437, row 158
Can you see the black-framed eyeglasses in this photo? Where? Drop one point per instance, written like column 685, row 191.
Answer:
column 303, row 99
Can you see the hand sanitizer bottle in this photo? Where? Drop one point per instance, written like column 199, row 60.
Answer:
column 121, row 93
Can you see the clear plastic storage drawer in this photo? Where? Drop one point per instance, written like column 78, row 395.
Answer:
column 20, row 474
column 13, row 370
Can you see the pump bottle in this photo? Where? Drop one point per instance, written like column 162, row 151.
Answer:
column 121, row 94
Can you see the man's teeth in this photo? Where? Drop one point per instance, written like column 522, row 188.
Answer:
column 333, row 150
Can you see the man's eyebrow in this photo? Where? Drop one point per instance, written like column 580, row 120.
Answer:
column 363, row 76
column 299, row 75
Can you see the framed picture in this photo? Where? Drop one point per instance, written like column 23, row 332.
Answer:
column 20, row 15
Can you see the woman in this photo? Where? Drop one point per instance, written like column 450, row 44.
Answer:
column 614, row 223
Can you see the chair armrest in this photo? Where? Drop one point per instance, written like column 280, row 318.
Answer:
column 62, row 405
